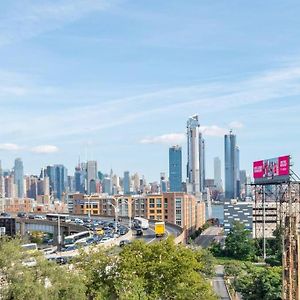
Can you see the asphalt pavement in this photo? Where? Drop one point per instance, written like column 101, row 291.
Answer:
column 206, row 238
column 219, row 284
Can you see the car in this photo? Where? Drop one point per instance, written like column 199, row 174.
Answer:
column 31, row 216
column 50, row 242
column 105, row 239
column 123, row 231
column 90, row 241
column 21, row 215
column 124, row 243
column 5, row 215
column 39, row 217
column 139, row 232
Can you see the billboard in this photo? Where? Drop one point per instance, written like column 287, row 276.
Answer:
column 274, row 170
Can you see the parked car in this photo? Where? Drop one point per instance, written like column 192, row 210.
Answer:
column 5, row 214
column 31, row 216
column 21, row 215
column 139, row 232
column 124, row 243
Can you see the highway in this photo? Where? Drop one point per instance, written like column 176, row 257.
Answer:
column 219, row 284
column 206, row 238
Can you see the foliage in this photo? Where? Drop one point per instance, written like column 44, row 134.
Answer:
column 43, row 280
column 198, row 231
column 239, row 243
column 161, row 270
column 260, row 283
column 37, row 237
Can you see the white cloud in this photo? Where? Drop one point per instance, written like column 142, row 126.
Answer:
column 44, row 149
column 169, row 139
column 30, row 18
column 10, row 147
column 235, row 125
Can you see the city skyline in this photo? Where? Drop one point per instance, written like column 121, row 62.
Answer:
column 73, row 93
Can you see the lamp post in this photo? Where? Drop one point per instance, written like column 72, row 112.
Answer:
column 2, row 202
column 116, row 207
column 89, row 206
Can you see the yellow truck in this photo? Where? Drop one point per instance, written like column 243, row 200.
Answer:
column 160, row 229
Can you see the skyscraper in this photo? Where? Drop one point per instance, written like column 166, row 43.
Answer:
column 196, row 157
column 232, row 167
column 58, row 179
column 126, row 183
column 163, row 183
column 175, row 169
column 92, row 172
column 19, row 177
column 217, row 173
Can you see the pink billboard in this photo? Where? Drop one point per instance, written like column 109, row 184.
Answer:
column 274, row 169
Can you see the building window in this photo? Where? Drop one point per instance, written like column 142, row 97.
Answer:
column 166, row 211
column 152, row 211
column 158, row 211
column 158, row 203
column 151, row 217
column 151, row 203
column 166, row 217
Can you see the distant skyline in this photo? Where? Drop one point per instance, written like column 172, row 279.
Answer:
column 116, row 81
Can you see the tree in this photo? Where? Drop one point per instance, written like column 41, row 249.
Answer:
column 161, row 270
column 260, row 283
column 43, row 280
column 239, row 244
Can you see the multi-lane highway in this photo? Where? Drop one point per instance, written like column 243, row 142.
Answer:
column 208, row 236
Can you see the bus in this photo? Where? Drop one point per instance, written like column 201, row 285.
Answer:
column 143, row 223
column 62, row 217
column 77, row 238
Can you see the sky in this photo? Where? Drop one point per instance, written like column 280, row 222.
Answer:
column 116, row 81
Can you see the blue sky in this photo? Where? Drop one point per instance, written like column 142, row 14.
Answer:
column 116, row 80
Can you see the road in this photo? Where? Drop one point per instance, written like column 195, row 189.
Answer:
column 219, row 284
column 207, row 236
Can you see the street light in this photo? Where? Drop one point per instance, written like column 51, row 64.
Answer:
column 2, row 202
column 89, row 205
column 116, row 207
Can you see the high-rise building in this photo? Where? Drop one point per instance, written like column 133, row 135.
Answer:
column 217, row 173
column 196, row 157
column 19, row 177
column 126, row 183
column 175, row 169
column 232, row 167
column 107, row 185
column 58, row 180
column 79, row 177
column 92, row 173
column 163, row 183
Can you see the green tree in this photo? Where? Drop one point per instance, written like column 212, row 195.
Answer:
column 239, row 244
column 162, row 270
column 260, row 283
column 42, row 280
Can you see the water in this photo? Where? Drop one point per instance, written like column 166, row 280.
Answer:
column 217, row 212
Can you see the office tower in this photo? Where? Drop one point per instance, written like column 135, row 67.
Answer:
column 61, row 181
column 196, row 157
column 126, row 183
column 136, row 183
column 107, row 185
column 19, row 177
column 163, row 183
column 217, row 173
column 232, row 165
column 91, row 174
column 175, row 169
column 79, row 177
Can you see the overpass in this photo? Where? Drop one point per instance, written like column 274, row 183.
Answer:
column 23, row 226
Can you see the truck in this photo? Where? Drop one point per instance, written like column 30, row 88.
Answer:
column 160, row 229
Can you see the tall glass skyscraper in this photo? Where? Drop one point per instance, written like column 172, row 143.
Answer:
column 126, row 183
column 196, row 157
column 19, row 177
column 175, row 169
column 232, row 167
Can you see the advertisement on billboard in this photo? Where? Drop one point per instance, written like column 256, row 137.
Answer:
column 274, row 170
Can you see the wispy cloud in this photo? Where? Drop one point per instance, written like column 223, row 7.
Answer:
column 27, row 19
column 9, row 147
column 41, row 149
column 44, row 149
column 213, row 97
